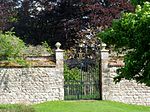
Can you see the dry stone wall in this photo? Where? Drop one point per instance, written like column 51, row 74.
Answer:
column 126, row 91
column 30, row 85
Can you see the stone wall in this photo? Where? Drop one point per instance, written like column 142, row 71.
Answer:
column 34, row 84
column 30, row 85
column 126, row 91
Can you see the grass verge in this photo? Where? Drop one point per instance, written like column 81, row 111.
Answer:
column 88, row 106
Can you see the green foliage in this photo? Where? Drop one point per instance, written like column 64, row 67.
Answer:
column 38, row 50
column 18, row 60
column 71, row 74
column 132, row 32
column 11, row 47
column 138, row 2
column 47, row 47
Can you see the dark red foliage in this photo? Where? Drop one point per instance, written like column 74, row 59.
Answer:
column 66, row 21
column 102, row 14
column 6, row 14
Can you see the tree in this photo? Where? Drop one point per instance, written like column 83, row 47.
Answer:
column 132, row 32
column 11, row 47
column 138, row 2
column 44, row 20
column 7, row 14
column 67, row 21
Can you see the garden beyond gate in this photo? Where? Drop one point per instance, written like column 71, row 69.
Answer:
column 88, row 85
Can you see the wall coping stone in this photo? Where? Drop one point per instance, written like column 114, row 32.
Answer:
column 116, row 64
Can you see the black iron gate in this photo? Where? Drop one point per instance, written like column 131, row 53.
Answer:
column 88, row 87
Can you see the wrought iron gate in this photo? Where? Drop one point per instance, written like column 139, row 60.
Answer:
column 88, row 87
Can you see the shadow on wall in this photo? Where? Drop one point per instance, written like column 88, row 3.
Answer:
column 4, row 81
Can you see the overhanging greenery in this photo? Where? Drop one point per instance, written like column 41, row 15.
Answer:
column 132, row 32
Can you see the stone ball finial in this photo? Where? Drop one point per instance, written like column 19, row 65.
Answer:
column 58, row 44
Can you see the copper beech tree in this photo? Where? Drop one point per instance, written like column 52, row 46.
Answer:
column 7, row 14
column 67, row 21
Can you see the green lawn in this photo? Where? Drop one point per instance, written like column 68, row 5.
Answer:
column 88, row 106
